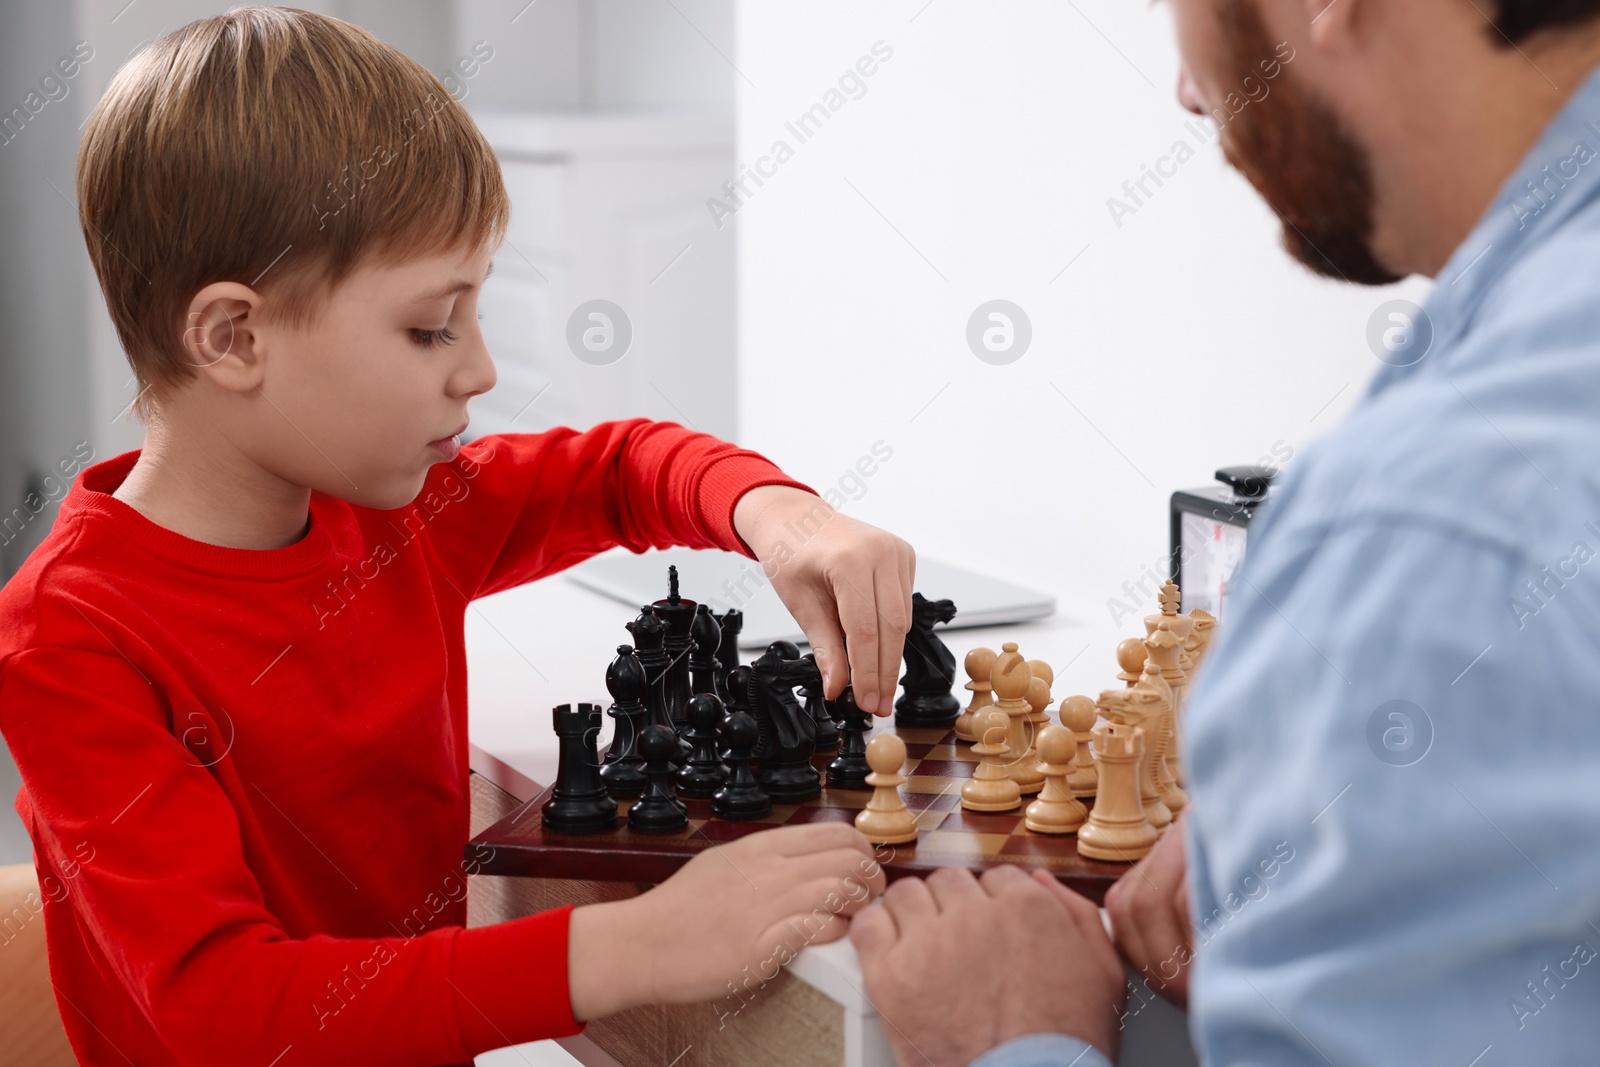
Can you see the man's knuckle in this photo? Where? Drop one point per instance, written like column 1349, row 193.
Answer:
column 898, row 890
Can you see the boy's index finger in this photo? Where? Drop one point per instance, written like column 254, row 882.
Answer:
column 865, row 634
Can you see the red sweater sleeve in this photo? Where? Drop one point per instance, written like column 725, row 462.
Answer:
column 515, row 507
column 148, row 850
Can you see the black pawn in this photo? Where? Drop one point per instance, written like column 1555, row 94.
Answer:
column 825, row 730
column 703, row 663
column 623, row 772
column 785, row 649
column 738, row 699
column 849, row 769
column 701, row 775
column 742, row 798
column 579, row 804
column 659, row 811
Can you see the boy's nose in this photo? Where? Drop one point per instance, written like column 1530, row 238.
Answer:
column 477, row 373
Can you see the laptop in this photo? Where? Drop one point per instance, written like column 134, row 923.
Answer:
column 727, row 580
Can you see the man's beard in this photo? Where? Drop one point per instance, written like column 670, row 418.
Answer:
column 1289, row 145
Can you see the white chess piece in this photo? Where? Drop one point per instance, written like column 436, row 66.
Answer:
column 886, row 820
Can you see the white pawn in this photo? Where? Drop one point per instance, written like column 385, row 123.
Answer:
column 1056, row 811
column 886, row 820
column 1078, row 715
column 978, row 664
column 991, row 787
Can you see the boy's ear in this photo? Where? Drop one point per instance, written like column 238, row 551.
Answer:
column 219, row 338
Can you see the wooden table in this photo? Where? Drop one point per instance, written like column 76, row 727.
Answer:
column 810, row 1015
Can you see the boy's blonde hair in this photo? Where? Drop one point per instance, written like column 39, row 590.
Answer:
column 278, row 148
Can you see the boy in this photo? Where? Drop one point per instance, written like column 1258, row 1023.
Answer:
column 233, row 676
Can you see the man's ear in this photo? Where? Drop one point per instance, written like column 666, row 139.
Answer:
column 219, row 338
column 1333, row 23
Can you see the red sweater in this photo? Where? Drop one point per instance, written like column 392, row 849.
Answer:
column 245, row 772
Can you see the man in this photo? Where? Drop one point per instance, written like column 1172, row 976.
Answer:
column 1393, row 854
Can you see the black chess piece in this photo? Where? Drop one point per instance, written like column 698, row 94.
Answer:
column 578, row 803
column 730, row 623
column 703, row 662
column 678, row 613
column 849, row 769
column 742, row 797
column 785, row 649
column 658, row 811
column 701, row 774
column 787, row 740
column 824, row 729
column 623, row 770
column 930, row 668
column 649, row 639
column 739, row 690
column 738, row 699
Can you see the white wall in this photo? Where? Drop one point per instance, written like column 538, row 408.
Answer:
column 977, row 165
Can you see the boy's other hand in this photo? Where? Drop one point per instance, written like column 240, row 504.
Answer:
column 847, row 584
column 1149, row 909
column 731, row 917
column 958, row 965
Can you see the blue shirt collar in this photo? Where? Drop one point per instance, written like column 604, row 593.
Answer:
column 1555, row 180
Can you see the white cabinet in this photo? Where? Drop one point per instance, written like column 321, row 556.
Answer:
column 611, row 207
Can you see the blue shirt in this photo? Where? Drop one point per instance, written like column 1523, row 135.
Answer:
column 1394, row 748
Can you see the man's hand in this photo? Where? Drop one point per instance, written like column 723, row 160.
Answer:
column 847, row 584
column 734, row 912
column 1149, row 909
column 957, row 965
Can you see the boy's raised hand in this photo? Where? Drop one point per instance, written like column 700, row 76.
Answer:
column 847, row 584
column 734, row 913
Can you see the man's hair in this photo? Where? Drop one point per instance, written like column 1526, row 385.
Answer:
column 278, row 148
column 1520, row 19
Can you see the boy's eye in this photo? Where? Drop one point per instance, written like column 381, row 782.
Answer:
column 433, row 338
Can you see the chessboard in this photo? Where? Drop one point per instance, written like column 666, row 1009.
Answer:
column 937, row 766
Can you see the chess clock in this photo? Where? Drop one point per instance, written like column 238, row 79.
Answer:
column 1209, row 528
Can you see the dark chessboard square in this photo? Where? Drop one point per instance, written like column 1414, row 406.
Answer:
column 923, row 735
column 1047, row 847
column 945, row 769
column 844, row 815
column 919, row 751
column 945, row 801
column 963, row 753
column 850, row 799
column 721, row 831
column 973, row 822
column 635, row 837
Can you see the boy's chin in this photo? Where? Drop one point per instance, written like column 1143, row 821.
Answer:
column 398, row 493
